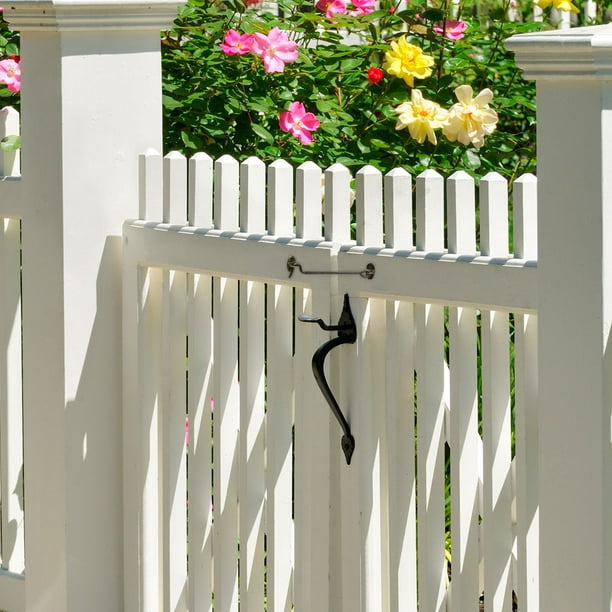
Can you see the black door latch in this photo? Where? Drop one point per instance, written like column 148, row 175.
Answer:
column 347, row 334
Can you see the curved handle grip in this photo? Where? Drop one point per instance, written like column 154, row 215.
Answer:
column 347, row 334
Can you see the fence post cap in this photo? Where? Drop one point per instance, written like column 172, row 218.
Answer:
column 571, row 54
column 81, row 15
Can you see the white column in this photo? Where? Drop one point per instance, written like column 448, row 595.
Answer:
column 573, row 71
column 91, row 101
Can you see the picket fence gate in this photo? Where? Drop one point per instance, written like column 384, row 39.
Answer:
column 164, row 445
column 267, row 503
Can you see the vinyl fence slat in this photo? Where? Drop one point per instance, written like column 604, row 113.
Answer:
column 253, row 196
column 430, row 211
column 461, row 214
column 308, row 200
column 199, row 427
column 494, row 215
column 525, row 226
column 465, row 449
column 398, row 209
column 200, row 190
column 399, row 365
column 312, row 461
column 174, row 412
column 496, row 411
column 280, row 198
column 226, row 425
column 252, row 451
column 12, row 555
column 368, row 206
column 338, row 204
column 150, row 190
column 150, row 431
column 430, row 406
column 430, row 456
column 175, row 189
column 463, row 438
column 526, row 420
column 370, row 451
column 226, row 194
column 279, row 447
column 526, row 458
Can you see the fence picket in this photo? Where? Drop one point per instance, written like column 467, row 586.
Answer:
column 280, row 198
column 338, row 204
column 252, row 410
column 312, row 462
column 175, row 189
column 369, row 206
column 150, row 460
column 430, row 406
column 150, row 191
column 525, row 226
column 200, row 191
column 526, row 436
column 173, row 397
column 308, row 201
column 370, row 456
column 463, row 437
column 496, row 416
column 493, row 215
column 226, row 194
column 12, row 555
column 173, row 407
column 461, row 213
column 430, row 211
column 279, row 446
column 398, row 209
column 251, row 493
column 526, row 427
column 253, row 196
column 225, row 443
column 399, row 366
column 199, row 397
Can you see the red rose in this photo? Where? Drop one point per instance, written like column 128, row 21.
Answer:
column 375, row 75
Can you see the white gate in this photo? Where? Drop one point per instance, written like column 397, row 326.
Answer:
column 256, row 508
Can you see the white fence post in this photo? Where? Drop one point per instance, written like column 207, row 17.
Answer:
column 574, row 100
column 91, row 101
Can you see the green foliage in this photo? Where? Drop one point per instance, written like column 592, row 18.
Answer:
column 9, row 47
column 10, row 143
column 229, row 104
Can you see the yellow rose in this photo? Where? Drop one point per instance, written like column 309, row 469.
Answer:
column 421, row 117
column 407, row 61
column 561, row 5
column 470, row 119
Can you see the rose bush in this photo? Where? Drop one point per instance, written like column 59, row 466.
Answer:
column 360, row 74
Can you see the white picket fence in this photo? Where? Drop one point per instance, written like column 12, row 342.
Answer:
column 477, row 375
column 206, row 284
column 12, row 544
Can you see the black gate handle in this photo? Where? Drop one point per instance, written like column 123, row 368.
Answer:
column 347, row 334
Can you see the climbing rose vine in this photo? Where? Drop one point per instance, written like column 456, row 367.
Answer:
column 419, row 84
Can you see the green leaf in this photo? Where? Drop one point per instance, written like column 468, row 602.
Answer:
column 472, row 159
column 10, row 143
column 350, row 64
column 380, row 144
column 170, row 103
column 188, row 141
column 262, row 133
